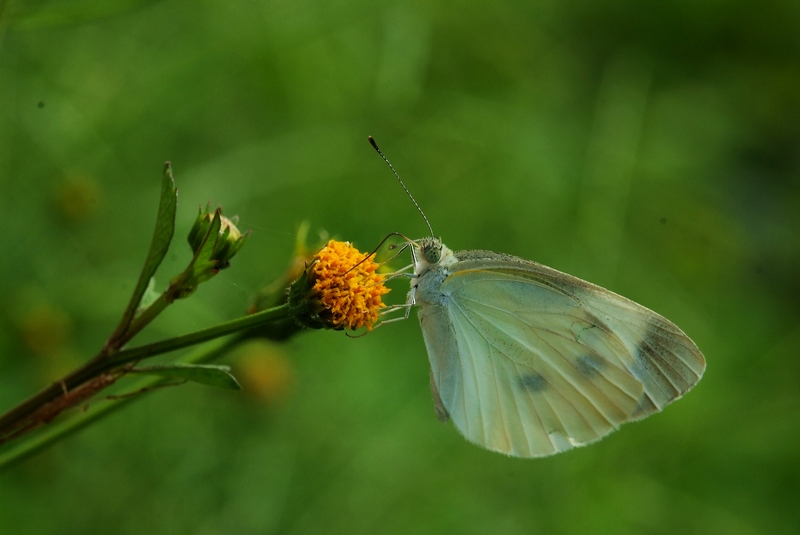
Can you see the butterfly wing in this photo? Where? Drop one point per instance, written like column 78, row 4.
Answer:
column 530, row 361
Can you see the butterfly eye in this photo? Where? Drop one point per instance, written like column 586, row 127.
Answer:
column 433, row 254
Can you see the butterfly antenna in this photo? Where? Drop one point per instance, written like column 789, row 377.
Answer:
column 385, row 159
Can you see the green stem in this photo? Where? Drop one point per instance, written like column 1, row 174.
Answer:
column 97, row 366
column 179, row 342
column 125, row 333
column 148, row 315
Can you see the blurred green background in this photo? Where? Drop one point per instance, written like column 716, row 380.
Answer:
column 649, row 147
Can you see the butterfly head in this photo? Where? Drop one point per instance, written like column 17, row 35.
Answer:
column 430, row 249
column 430, row 253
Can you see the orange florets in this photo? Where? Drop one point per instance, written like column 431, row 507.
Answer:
column 349, row 291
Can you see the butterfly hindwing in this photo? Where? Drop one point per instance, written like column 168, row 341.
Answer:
column 530, row 361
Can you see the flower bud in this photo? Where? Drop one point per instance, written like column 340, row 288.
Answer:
column 228, row 241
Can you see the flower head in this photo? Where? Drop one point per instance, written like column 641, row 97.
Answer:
column 339, row 289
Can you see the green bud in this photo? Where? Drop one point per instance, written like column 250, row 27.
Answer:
column 226, row 244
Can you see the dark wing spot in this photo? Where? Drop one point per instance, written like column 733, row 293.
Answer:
column 590, row 365
column 533, row 382
column 659, row 364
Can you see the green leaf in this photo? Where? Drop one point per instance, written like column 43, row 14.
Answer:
column 202, row 267
column 162, row 236
column 206, row 250
column 150, row 294
column 207, row 374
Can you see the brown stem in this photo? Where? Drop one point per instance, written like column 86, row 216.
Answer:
column 69, row 398
column 17, row 417
column 116, row 364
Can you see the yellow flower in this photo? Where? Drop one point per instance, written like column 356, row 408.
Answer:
column 340, row 289
column 348, row 285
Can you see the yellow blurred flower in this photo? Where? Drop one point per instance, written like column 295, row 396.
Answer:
column 264, row 372
column 45, row 329
column 77, row 197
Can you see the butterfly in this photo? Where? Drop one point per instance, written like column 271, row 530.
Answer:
column 529, row 361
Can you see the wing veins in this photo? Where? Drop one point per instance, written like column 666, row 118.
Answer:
column 532, row 327
column 516, row 366
column 568, row 361
column 660, row 363
column 567, row 379
column 607, row 331
column 666, row 364
column 499, row 404
column 477, row 388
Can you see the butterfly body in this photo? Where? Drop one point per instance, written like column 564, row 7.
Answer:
column 530, row 361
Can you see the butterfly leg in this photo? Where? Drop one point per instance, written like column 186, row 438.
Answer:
column 401, row 273
column 410, row 302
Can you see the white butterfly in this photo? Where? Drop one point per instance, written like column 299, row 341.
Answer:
column 529, row 361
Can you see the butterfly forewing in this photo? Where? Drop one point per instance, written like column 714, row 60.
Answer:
column 530, row 361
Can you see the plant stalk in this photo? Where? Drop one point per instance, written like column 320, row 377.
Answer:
column 105, row 362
